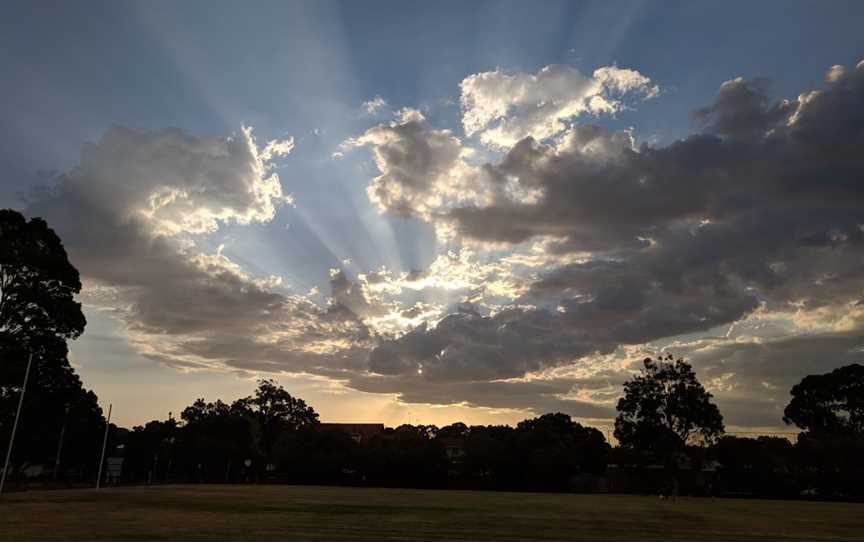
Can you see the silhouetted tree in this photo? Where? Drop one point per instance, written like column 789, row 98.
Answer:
column 217, row 439
column 456, row 430
column 150, row 450
column 831, row 403
column 553, row 448
column 407, row 456
column 275, row 411
column 38, row 314
column 542, row 453
column 831, row 464
column 665, row 408
column 37, row 283
column 55, row 397
column 490, row 458
column 830, row 409
column 313, row 455
column 760, row 466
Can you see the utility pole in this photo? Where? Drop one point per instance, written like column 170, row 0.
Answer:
column 104, row 443
column 15, row 425
column 60, row 444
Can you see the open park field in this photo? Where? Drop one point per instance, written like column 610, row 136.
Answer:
column 331, row 513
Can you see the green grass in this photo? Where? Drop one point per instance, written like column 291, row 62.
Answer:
column 330, row 513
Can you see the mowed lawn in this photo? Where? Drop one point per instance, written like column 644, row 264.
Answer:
column 329, row 513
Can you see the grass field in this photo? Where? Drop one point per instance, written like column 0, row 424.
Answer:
column 329, row 513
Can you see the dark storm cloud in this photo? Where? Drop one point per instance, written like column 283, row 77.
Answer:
column 468, row 346
column 743, row 110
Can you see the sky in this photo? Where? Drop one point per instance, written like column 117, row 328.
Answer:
column 414, row 212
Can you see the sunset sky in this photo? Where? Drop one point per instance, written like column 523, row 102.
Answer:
column 444, row 211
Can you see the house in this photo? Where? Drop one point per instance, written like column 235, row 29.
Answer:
column 360, row 432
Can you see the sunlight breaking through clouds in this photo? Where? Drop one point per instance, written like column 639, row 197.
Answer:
column 560, row 254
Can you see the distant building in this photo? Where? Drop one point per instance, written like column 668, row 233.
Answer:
column 360, row 432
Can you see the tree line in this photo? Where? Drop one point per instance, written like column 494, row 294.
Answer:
column 274, row 437
column 669, row 434
column 284, row 442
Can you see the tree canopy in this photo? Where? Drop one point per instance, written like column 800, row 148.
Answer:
column 665, row 407
column 248, row 427
column 38, row 314
column 37, row 283
column 275, row 412
column 831, row 403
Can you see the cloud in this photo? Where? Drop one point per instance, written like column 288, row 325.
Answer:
column 130, row 214
column 175, row 183
column 468, row 346
column 539, row 396
column 503, row 108
column 277, row 147
column 761, row 211
column 742, row 110
column 576, row 246
column 354, row 296
column 455, row 275
column 421, row 169
column 751, row 376
column 769, row 199
column 371, row 107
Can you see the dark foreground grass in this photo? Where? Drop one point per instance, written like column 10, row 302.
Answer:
column 330, row 513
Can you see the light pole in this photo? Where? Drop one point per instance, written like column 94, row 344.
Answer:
column 60, row 444
column 15, row 425
column 104, row 443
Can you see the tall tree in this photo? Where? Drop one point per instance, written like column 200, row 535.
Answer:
column 276, row 412
column 55, row 395
column 491, row 457
column 38, row 314
column 665, row 407
column 553, row 448
column 831, row 403
column 216, row 439
column 407, row 456
column 37, row 283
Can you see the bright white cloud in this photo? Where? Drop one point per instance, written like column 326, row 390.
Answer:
column 503, row 108
column 422, row 170
column 277, row 147
column 374, row 105
column 181, row 184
